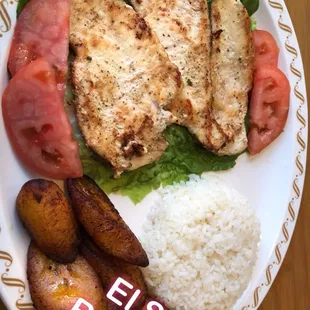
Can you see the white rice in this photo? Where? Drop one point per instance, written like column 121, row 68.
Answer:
column 202, row 242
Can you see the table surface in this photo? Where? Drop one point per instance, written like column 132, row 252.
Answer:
column 291, row 288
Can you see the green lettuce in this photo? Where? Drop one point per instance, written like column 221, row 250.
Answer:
column 20, row 5
column 251, row 6
column 184, row 156
column 253, row 23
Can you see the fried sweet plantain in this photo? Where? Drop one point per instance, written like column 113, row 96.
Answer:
column 47, row 215
column 109, row 268
column 59, row 286
column 103, row 223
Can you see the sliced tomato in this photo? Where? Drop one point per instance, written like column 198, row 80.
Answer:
column 37, row 124
column 268, row 108
column 42, row 29
column 266, row 49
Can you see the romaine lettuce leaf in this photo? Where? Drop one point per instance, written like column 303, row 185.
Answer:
column 251, row 6
column 20, row 5
column 183, row 157
column 253, row 24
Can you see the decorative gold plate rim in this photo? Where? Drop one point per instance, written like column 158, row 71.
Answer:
column 275, row 261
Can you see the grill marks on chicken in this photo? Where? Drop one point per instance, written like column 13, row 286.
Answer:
column 232, row 61
column 128, row 90
column 183, row 28
column 217, row 79
column 123, row 82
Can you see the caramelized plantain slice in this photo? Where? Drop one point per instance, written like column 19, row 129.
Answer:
column 59, row 286
column 109, row 268
column 103, row 223
column 48, row 217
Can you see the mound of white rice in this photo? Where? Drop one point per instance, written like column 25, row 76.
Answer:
column 202, row 241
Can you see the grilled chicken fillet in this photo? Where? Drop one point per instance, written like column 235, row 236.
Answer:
column 231, row 70
column 183, row 28
column 123, row 82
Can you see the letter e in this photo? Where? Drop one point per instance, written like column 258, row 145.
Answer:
column 115, row 288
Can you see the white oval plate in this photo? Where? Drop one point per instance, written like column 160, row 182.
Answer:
column 272, row 181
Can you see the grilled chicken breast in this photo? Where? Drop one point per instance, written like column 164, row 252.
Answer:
column 231, row 70
column 237, row 145
column 183, row 28
column 123, row 83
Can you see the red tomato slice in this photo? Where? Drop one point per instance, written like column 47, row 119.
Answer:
column 266, row 49
column 37, row 124
column 268, row 108
column 42, row 29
